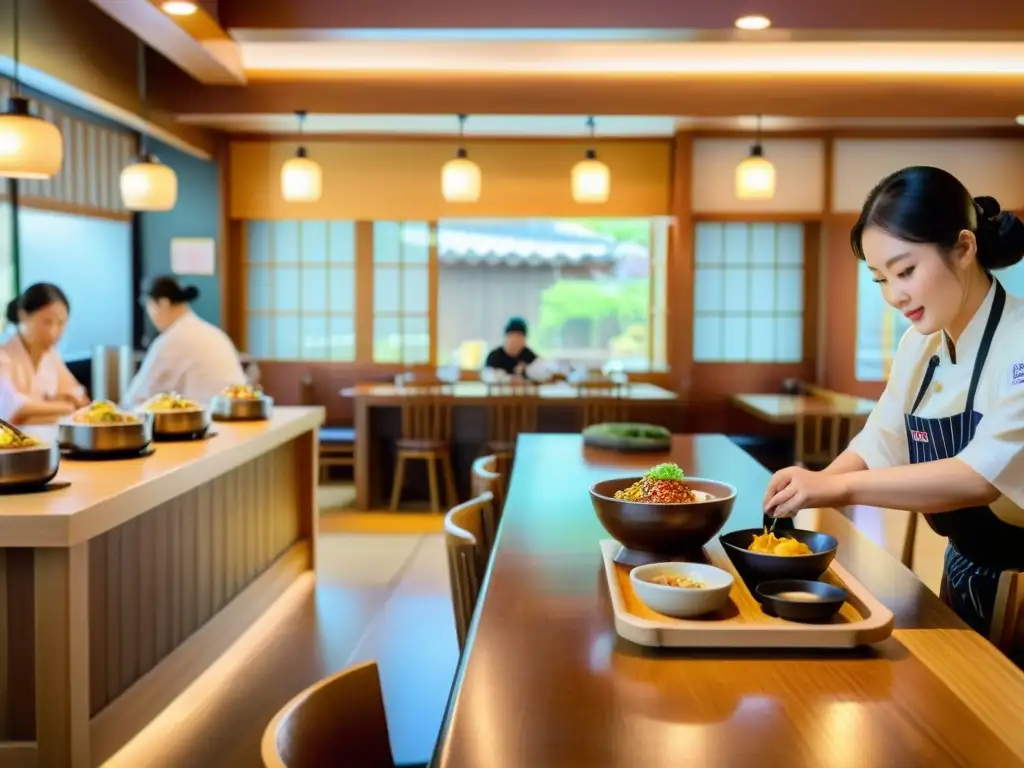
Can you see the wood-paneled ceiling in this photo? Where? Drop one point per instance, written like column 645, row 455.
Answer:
column 253, row 62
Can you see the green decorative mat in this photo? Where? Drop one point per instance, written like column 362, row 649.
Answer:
column 628, row 437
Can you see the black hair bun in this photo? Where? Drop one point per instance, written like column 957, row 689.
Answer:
column 12, row 311
column 191, row 293
column 1000, row 235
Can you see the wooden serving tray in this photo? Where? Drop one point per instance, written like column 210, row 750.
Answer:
column 742, row 623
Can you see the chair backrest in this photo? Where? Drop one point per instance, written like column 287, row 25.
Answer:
column 604, row 400
column 426, row 411
column 465, row 536
column 513, row 411
column 485, row 478
column 338, row 721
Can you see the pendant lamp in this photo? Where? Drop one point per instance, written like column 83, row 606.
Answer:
column 591, row 179
column 147, row 184
column 301, row 178
column 460, row 176
column 755, row 176
column 30, row 147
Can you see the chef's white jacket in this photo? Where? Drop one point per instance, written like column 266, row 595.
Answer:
column 997, row 450
column 192, row 357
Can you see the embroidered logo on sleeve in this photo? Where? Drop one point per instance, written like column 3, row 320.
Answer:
column 1017, row 374
column 918, row 436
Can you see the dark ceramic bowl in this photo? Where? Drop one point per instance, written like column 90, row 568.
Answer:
column 663, row 529
column 800, row 600
column 757, row 566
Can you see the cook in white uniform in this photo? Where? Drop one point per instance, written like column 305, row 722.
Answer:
column 947, row 436
column 192, row 357
column 35, row 384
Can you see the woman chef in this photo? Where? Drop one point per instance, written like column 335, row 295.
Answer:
column 947, row 436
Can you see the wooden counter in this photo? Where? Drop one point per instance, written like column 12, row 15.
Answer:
column 119, row 590
column 784, row 409
column 378, row 425
column 934, row 694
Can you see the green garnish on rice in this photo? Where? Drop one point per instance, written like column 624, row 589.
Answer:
column 666, row 472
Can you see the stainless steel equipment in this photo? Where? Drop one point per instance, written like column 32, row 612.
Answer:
column 112, row 371
column 107, row 438
column 241, row 409
column 30, row 466
column 180, row 422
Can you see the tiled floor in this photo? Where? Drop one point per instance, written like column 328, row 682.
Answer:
column 379, row 596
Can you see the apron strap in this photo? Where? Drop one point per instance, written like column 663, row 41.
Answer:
column 994, row 315
column 933, row 363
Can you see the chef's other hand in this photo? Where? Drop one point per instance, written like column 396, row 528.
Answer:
column 795, row 488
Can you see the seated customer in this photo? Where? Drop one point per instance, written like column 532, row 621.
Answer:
column 513, row 356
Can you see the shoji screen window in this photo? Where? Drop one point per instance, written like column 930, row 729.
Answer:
column 401, row 292
column 300, row 290
column 748, row 292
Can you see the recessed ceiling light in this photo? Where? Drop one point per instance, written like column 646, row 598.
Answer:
column 1020, row 119
column 179, row 7
column 753, row 22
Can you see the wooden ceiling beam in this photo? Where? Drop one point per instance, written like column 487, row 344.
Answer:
column 197, row 43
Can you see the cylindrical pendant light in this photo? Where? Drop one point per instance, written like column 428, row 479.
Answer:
column 591, row 179
column 301, row 178
column 755, row 176
column 460, row 176
column 30, row 147
column 147, row 184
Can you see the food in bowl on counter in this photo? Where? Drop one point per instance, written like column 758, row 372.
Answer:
column 10, row 440
column 768, row 543
column 103, row 412
column 677, row 580
column 663, row 484
column 170, row 401
column 242, row 392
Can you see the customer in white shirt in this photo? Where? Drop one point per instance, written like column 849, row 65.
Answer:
column 192, row 357
column 35, row 384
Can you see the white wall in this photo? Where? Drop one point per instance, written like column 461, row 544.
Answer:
column 799, row 177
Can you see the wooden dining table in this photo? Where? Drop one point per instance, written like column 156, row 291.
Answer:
column 784, row 409
column 545, row 681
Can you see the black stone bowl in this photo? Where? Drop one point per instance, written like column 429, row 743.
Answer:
column 801, row 600
column 663, row 529
column 757, row 566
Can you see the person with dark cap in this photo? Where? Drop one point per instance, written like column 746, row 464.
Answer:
column 191, row 357
column 513, row 356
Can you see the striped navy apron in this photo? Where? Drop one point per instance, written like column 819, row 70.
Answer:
column 981, row 545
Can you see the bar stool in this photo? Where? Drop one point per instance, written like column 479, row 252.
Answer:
column 426, row 436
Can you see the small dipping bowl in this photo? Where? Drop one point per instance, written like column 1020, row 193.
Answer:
column 682, row 602
column 801, row 600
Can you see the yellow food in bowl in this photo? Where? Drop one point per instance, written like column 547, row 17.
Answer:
column 674, row 580
column 103, row 412
column 770, row 544
column 9, row 440
column 170, row 401
column 242, row 392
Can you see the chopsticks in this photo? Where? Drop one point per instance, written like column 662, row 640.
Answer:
column 13, row 429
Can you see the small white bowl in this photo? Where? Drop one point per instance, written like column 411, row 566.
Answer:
column 682, row 602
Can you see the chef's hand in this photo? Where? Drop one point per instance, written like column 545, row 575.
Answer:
column 795, row 488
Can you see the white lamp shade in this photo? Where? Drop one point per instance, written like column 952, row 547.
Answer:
column 301, row 180
column 591, row 180
column 755, row 178
column 149, row 185
column 460, row 180
column 30, row 148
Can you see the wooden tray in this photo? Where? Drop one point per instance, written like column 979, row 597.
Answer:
column 742, row 623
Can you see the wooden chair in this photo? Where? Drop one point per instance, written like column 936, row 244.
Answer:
column 465, row 537
column 820, row 439
column 1007, row 629
column 426, row 436
column 337, row 444
column 604, row 400
column 339, row 721
column 486, row 479
column 512, row 411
